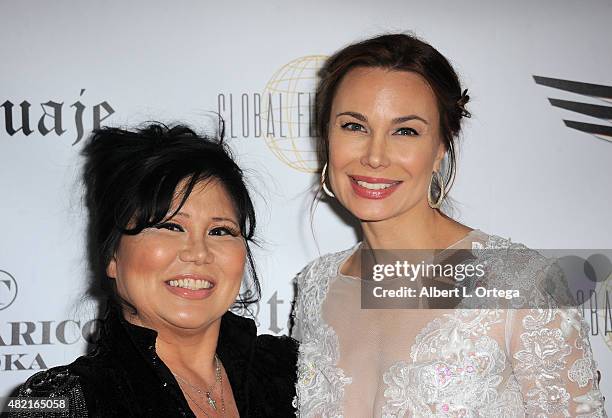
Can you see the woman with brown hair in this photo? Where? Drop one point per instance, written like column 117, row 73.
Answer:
column 389, row 111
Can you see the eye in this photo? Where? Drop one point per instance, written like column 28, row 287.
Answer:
column 353, row 126
column 224, row 231
column 171, row 226
column 406, row 132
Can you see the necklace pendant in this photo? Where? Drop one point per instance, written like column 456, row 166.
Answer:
column 211, row 401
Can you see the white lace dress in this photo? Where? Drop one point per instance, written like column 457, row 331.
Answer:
column 357, row 362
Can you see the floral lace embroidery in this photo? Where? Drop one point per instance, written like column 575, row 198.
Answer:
column 457, row 369
column 543, row 351
column 320, row 385
column 456, row 372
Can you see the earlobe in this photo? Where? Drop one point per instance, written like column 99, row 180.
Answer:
column 111, row 269
column 439, row 157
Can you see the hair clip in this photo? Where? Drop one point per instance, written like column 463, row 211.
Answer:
column 462, row 102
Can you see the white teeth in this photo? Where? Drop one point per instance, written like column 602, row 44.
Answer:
column 191, row 284
column 374, row 186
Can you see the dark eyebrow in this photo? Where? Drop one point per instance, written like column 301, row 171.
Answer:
column 217, row 219
column 408, row 118
column 356, row 115
column 401, row 119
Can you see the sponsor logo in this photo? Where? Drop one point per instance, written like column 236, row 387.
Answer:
column 596, row 91
column 55, row 116
column 19, row 339
column 281, row 114
column 8, row 289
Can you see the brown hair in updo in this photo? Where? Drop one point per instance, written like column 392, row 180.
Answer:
column 396, row 52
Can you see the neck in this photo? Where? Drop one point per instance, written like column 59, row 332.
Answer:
column 188, row 353
column 419, row 228
column 191, row 353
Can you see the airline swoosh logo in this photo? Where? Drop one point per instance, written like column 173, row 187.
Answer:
column 597, row 91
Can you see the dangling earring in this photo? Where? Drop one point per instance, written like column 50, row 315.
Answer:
column 437, row 203
column 325, row 189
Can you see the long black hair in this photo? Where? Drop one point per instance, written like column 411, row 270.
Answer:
column 131, row 178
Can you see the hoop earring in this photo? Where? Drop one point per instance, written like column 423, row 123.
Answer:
column 437, row 203
column 325, row 189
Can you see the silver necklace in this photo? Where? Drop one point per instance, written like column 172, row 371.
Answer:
column 202, row 409
column 207, row 395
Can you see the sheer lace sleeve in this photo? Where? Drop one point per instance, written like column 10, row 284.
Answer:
column 297, row 320
column 552, row 360
column 296, row 316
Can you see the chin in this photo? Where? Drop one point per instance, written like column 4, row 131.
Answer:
column 190, row 317
column 369, row 210
column 380, row 210
column 371, row 214
column 192, row 320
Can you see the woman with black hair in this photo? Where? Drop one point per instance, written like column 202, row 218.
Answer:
column 170, row 226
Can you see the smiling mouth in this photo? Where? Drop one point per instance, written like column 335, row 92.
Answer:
column 372, row 183
column 374, row 186
column 191, row 284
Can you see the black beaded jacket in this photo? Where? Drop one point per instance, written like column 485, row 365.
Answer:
column 124, row 377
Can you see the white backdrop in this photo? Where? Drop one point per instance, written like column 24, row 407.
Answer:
column 522, row 173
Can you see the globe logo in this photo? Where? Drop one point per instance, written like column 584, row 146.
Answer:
column 8, row 289
column 293, row 140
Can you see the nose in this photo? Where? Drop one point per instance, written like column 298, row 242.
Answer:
column 375, row 153
column 196, row 251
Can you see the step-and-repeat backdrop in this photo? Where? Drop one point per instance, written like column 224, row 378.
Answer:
column 535, row 159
